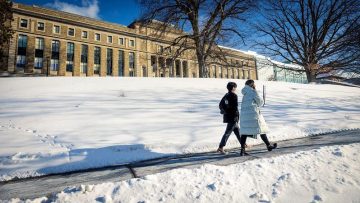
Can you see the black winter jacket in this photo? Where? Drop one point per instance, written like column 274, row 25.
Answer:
column 232, row 113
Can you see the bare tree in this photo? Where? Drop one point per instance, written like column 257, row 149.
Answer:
column 205, row 22
column 6, row 31
column 320, row 35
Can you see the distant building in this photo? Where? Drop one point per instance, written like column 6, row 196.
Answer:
column 66, row 44
column 271, row 70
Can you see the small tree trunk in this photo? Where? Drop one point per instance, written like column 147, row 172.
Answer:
column 311, row 77
column 311, row 72
column 201, row 63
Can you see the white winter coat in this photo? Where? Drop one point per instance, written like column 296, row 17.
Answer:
column 251, row 120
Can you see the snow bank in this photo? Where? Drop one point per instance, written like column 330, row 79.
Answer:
column 52, row 125
column 328, row 174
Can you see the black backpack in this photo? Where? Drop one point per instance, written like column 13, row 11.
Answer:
column 224, row 104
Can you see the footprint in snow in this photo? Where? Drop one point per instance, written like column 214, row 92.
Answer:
column 211, row 187
column 337, row 152
column 281, row 180
column 316, row 198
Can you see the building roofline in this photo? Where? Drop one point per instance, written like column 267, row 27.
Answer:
column 73, row 14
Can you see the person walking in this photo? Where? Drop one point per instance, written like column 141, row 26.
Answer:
column 252, row 121
column 229, row 108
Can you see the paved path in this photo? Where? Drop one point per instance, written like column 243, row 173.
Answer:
column 47, row 185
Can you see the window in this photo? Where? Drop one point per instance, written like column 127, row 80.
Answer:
column 131, row 64
column 109, row 57
column 56, row 29
column 21, row 52
column 71, row 32
column 22, row 41
column 70, row 57
column 24, row 23
column 54, row 66
column 121, row 41
column 41, row 26
column 84, row 34
column 109, row 39
column 39, row 52
column 167, row 50
column 39, row 43
column 97, row 36
column 84, row 58
column 38, row 63
column 121, row 63
column 131, row 43
column 55, row 47
column 20, row 60
column 160, row 49
column 97, row 59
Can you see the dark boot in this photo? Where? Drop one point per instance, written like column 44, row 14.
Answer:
column 243, row 152
column 271, row 147
column 267, row 143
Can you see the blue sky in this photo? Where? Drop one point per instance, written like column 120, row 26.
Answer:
column 121, row 11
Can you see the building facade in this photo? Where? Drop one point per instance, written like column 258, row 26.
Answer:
column 64, row 44
column 272, row 70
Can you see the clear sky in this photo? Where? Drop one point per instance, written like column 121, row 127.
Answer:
column 118, row 11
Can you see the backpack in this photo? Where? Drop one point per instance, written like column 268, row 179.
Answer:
column 224, row 104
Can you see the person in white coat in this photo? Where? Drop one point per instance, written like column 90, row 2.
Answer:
column 252, row 122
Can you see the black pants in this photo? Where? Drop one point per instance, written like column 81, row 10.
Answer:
column 233, row 126
column 263, row 137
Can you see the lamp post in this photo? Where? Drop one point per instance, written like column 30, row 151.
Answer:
column 264, row 94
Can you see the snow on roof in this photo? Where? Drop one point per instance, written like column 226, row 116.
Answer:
column 238, row 50
column 259, row 56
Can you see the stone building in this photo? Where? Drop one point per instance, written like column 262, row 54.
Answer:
column 64, row 44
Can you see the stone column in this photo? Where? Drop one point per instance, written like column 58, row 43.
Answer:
column 149, row 66
column 137, row 69
column 62, row 59
column 181, row 69
column 115, row 63
column 211, row 71
column 13, row 46
column 77, row 59
column 157, row 67
column 103, row 64
column 167, row 68
column 47, row 56
column 217, row 74
column 12, row 54
column 30, row 54
column 90, row 66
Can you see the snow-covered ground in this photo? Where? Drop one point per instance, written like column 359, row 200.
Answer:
column 51, row 125
column 328, row 174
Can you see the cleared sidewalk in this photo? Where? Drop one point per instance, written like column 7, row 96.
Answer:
column 47, row 185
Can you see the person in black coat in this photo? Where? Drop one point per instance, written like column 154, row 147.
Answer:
column 231, row 115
